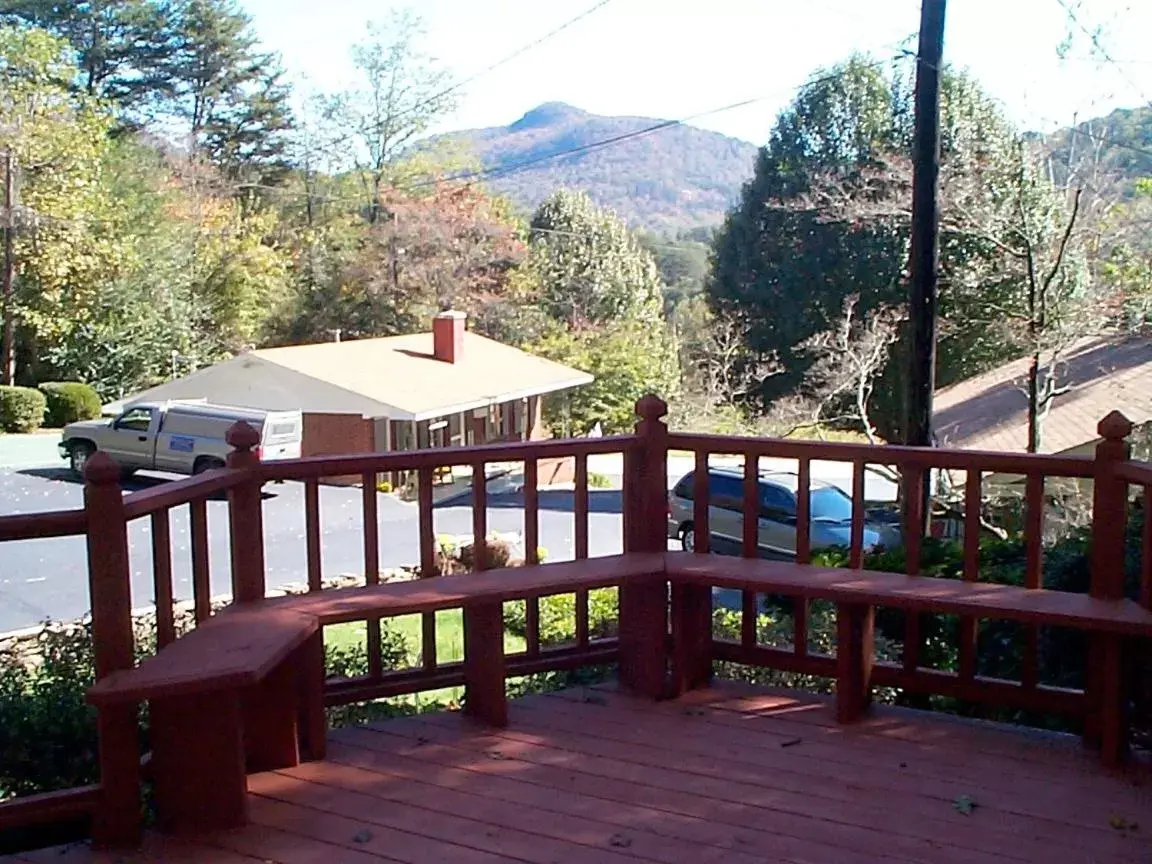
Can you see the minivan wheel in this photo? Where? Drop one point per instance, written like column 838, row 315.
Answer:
column 78, row 457
column 688, row 538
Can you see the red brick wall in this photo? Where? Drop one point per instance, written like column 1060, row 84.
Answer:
column 336, row 435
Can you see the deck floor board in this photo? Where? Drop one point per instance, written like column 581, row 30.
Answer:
column 732, row 774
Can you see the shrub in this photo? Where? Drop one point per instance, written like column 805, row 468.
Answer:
column 558, row 617
column 597, row 480
column 496, row 554
column 70, row 401
column 21, row 409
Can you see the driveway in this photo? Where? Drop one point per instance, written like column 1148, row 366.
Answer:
column 42, row 579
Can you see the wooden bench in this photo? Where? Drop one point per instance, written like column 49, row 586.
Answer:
column 243, row 692
column 856, row 593
column 225, row 700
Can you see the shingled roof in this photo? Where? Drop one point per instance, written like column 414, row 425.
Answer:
column 990, row 411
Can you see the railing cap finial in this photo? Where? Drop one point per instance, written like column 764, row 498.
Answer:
column 242, row 437
column 101, row 470
column 651, row 408
column 1115, row 427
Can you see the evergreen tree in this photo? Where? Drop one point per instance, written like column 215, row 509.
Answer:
column 120, row 45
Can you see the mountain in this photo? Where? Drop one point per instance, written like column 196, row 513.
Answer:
column 668, row 181
column 1115, row 149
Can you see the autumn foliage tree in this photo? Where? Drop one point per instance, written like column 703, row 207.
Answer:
column 600, row 299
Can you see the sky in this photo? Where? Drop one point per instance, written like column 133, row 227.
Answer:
column 672, row 59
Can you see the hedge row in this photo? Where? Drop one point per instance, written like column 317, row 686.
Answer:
column 24, row 409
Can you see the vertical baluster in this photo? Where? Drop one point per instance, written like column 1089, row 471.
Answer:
column 1033, row 577
column 162, row 578
column 581, row 525
column 581, row 506
column 531, row 554
column 1146, row 552
column 856, row 549
column 201, row 583
column 804, row 512
column 312, row 531
column 372, row 568
column 751, row 509
column 748, row 603
column 968, row 624
column 479, row 517
column 701, row 526
column 751, row 542
column 800, row 606
column 427, row 562
column 913, row 539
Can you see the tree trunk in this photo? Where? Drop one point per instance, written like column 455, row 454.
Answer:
column 1034, row 403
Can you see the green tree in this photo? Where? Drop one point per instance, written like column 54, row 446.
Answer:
column 120, row 45
column 628, row 359
column 402, row 92
column 598, row 296
column 231, row 97
column 826, row 218
column 70, row 238
column 592, row 269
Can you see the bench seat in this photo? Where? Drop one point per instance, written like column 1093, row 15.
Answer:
column 237, row 648
column 912, row 593
column 450, row 592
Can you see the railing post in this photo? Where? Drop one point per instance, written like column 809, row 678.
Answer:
column 246, row 516
column 1106, row 722
column 117, row 820
column 644, row 599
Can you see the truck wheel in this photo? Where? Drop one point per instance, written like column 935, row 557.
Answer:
column 78, row 456
column 207, row 463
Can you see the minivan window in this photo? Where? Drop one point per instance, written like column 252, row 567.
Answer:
column 726, row 492
column 831, row 504
column 776, row 503
column 686, row 487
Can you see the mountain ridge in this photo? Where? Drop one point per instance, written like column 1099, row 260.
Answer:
column 669, row 181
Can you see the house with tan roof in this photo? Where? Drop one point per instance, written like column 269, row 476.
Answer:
column 440, row 388
column 1098, row 375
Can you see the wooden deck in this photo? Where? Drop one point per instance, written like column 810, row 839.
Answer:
column 730, row 774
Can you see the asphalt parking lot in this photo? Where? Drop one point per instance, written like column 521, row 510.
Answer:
column 42, row 579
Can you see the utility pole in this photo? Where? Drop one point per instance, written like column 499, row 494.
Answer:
column 925, row 257
column 7, row 290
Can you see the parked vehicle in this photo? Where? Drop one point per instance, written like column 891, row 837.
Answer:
column 830, row 511
column 180, row 437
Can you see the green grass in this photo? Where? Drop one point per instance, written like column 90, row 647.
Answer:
column 449, row 636
column 449, row 645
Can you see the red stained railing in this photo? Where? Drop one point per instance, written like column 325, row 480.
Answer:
column 644, row 455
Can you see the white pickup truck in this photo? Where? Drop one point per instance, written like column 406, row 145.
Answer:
column 179, row 437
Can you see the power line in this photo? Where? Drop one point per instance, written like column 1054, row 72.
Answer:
column 498, row 171
column 1095, row 37
column 436, row 97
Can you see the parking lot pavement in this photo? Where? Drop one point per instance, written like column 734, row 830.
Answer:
column 38, row 450
column 41, row 579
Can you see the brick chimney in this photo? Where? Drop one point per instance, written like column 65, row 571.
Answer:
column 448, row 336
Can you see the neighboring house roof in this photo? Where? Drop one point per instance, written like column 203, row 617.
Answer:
column 396, row 376
column 990, row 411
